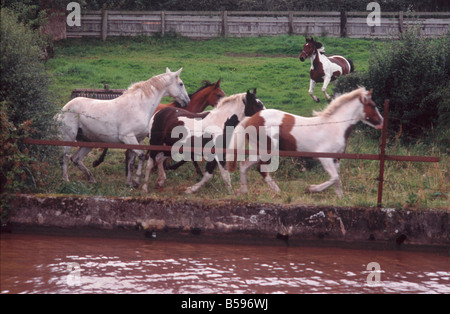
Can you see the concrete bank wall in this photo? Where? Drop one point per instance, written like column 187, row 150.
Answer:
column 235, row 221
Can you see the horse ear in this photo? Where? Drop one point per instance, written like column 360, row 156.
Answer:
column 178, row 72
column 254, row 91
column 168, row 70
column 369, row 94
column 218, row 83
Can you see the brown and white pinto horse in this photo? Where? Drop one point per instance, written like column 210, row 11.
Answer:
column 208, row 94
column 323, row 69
column 327, row 132
column 208, row 127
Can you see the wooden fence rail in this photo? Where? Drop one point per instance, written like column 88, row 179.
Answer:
column 199, row 25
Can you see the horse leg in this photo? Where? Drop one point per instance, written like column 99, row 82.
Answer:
column 326, row 81
column 210, row 166
column 139, row 169
column 332, row 169
column 132, row 153
column 267, row 177
column 160, row 158
column 130, row 162
column 312, row 83
column 100, row 159
column 226, row 177
column 148, row 170
column 65, row 162
column 243, row 168
column 77, row 159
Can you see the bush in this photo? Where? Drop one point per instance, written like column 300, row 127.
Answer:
column 25, row 108
column 24, row 84
column 413, row 73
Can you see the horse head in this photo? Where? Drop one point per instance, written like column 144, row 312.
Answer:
column 176, row 89
column 372, row 116
column 310, row 48
column 252, row 104
column 213, row 93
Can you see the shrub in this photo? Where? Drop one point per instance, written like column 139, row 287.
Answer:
column 25, row 107
column 24, row 87
column 413, row 73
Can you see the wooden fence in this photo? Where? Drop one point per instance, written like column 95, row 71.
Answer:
column 198, row 25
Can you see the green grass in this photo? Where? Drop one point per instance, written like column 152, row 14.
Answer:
column 271, row 65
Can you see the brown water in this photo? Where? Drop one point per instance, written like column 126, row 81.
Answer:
column 50, row 264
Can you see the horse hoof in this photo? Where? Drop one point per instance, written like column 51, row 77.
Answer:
column 317, row 100
column 189, row 190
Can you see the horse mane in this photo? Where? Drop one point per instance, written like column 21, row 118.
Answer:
column 157, row 82
column 339, row 101
column 205, row 84
column 230, row 99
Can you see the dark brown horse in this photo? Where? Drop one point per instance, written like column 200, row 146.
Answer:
column 208, row 94
column 323, row 69
column 180, row 128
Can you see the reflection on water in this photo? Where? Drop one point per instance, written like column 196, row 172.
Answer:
column 44, row 264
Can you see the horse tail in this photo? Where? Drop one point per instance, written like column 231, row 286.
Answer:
column 237, row 142
column 352, row 66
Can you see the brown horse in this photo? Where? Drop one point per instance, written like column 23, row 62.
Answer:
column 208, row 94
column 175, row 126
column 323, row 69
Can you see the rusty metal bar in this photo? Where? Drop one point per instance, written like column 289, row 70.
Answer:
column 218, row 150
column 382, row 153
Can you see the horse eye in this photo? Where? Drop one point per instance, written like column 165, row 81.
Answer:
column 181, row 84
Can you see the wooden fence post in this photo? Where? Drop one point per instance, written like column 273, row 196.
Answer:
column 343, row 23
column 291, row 23
column 163, row 23
column 224, row 23
column 104, row 24
column 400, row 24
column 382, row 153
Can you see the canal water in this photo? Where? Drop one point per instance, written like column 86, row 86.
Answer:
column 54, row 264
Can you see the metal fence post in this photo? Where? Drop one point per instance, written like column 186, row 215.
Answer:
column 383, row 153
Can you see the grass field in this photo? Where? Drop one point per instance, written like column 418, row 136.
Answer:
column 271, row 65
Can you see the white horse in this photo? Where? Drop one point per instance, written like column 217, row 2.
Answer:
column 327, row 132
column 121, row 120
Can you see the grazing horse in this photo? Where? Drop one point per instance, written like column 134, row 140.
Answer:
column 207, row 127
column 121, row 120
column 327, row 132
column 323, row 69
column 207, row 95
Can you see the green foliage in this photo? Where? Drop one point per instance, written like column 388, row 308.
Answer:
column 24, row 82
column 261, row 5
column 413, row 73
column 19, row 170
